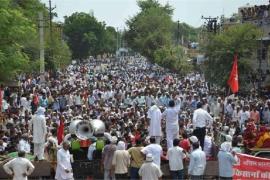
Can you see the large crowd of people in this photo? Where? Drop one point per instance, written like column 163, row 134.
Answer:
column 150, row 115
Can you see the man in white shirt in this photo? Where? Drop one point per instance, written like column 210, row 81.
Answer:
column 197, row 162
column 226, row 160
column 201, row 119
column 39, row 130
column 244, row 116
column 218, row 107
column 172, row 125
column 149, row 170
column 176, row 155
column 64, row 168
column 154, row 114
column 154, row 149
column 24, row 144
column 19, row 167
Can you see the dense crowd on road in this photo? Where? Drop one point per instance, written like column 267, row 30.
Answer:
column 150, row 114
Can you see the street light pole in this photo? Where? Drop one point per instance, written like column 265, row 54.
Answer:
column 178, row 32
column 41, row 47
column 116, row 42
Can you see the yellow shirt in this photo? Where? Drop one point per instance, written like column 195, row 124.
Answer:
column 137, row 158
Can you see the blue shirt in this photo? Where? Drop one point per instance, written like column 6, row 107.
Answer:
column 226, row 162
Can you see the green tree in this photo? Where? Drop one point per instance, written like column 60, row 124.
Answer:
column 110, row 40
column 15, row 30
column 150, row 29
column 220, row 49
column 174, row 58
column 85, row 35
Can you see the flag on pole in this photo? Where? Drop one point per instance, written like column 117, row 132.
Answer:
column 60, row 131
column 233, row 80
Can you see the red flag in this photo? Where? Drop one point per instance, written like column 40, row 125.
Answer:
column 60, row 132
column 233, row 80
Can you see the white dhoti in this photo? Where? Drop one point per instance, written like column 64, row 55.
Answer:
column 39, row 128
column 171, row 134
column 154, row 114
column 39, row 150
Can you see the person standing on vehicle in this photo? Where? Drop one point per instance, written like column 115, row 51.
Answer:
column 39, row 128
column 154, row 114
column 201, row 119
column 172, row 125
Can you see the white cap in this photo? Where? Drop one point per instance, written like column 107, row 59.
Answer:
column 114, row 140
column 193, row 139
column 228, row 138
column 149, row 157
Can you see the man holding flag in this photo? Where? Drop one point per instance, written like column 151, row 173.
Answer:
column 233, row 80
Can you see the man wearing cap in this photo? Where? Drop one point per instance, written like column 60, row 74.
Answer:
column 64, row 168
column 107, row 157
column 201, row 119
column 226, row 160
column 19, row 167
column 149, row 169
column 39, row 129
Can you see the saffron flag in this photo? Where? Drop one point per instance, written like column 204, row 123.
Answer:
column 233, row 80
column 60, row 131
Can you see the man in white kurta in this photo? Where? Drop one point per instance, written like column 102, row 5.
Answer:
column 19, row 167
column 64, row 168
column 172, row 126
column 39, row 129
column 154, row 114
column 149, row 169
column 24, row 144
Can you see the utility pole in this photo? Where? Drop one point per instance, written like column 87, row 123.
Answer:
column 211, row 24
column 41, row 47
column 116, row 42
column 51, row 17
column 178, row 33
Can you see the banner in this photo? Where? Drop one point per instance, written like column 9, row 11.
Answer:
column 251, row 167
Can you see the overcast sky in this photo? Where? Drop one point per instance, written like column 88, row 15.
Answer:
column 116, row 12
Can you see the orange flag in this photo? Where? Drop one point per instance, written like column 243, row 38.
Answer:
column 233, row 80
column 60, row 131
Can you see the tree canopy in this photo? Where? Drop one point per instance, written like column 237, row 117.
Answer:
column 19, row 46
column 87, row 36
column 219, row 50
column 150, row 29
column 153, row 33
column 15, row 30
